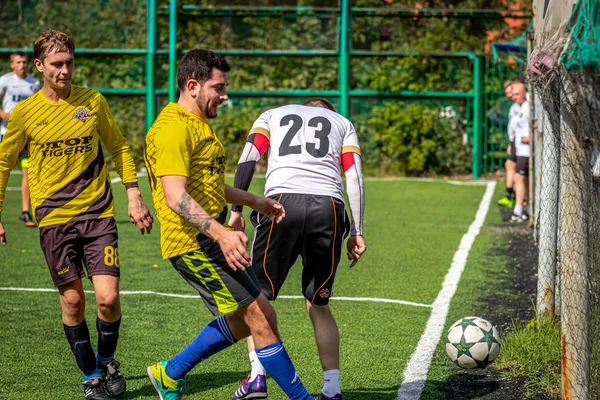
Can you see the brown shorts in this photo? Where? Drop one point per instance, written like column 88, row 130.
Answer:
column 69, row 247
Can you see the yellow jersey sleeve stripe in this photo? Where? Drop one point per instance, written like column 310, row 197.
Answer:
column 350, row 149
column 262, row 131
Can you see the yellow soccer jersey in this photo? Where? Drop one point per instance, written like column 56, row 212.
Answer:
column 182, row 143
column 68, row 176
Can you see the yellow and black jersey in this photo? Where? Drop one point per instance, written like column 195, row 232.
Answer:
column 68, row 176
column 181, row 143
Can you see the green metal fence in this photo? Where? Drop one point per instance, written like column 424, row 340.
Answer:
column 477, row 100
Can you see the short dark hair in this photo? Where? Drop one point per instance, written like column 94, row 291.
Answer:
column 198, row 64
column 50, row 40
column 318, row 102
column 17, row 54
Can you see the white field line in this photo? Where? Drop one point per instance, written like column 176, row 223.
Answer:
column 13, row 188
column 416, row 371
column 190, row 296
column 373, row 179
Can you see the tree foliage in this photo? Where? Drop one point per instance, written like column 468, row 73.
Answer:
column 398, row 136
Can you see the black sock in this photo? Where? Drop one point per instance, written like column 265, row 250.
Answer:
column 108, row 335
column 79, row 340
column 510, row 193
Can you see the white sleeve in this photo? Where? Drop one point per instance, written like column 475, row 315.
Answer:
column 261, row 125
column 355, row 187
column 3, row 85
column 350, row 142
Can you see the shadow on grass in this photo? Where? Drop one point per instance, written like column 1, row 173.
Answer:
column 467, row 385
column 198, row 383
column 371, row 394
column 194, row 383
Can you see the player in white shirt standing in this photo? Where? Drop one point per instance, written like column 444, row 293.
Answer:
column 16, row 86
column 307, row 144
column 520, row 128
column 509, row 199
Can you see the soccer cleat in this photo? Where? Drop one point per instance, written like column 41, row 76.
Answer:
column 519, row 218
column 113, row 379
column 167, row 388
column 26, row 218
column 506, row 202
column 256, row 389
column 93, row 389
column 337, row 396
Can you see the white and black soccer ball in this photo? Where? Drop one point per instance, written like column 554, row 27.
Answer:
column 472, row 342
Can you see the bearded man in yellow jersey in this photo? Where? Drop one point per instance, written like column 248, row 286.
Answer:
column 72, row 200
column 186, row 165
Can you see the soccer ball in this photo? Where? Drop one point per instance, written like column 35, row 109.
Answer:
column 472, row 342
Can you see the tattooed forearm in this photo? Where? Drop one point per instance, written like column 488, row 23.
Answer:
column 197, row 217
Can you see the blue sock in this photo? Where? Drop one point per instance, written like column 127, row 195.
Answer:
column 95, row 374
column 278, row 364
column 215, row 337
column 100, row 359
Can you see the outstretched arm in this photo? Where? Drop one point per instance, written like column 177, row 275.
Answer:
column 256, row 145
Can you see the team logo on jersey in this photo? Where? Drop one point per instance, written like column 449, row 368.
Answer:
column 324, row 293
column 82, row 114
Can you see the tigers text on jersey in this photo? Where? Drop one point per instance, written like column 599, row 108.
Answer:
column 13, row 90
column 306, row 147
column 181, row 143
column 68, row 177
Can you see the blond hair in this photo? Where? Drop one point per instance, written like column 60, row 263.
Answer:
column 52, row 40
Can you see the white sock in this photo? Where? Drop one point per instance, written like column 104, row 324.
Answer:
column 518, row 209
column 257, row 367
column 331, row 382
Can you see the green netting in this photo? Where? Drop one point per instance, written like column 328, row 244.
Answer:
column 583, row 49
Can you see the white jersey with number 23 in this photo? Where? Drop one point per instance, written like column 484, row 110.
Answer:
column 306, row 147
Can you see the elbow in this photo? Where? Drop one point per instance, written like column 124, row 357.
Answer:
column 172, row 202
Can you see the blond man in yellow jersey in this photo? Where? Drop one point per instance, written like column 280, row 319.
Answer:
column 72, row 201
column 186, row 163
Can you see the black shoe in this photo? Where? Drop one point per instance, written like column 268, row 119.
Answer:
column 112, row 377
column 93, row 389
column 26, row 218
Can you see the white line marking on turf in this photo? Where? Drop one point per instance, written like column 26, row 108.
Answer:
column 13, row 188
column 191, row 296
column 431, row 180
column 416, row 371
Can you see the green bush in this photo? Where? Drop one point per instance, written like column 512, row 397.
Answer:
column 412, row 139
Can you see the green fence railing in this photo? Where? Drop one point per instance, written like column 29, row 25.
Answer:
column 476, row 101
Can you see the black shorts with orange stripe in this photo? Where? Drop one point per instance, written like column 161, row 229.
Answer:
column 314, row 227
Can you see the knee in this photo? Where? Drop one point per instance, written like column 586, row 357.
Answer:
column 260, row 315
column 108, row 303
column 73, row 305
